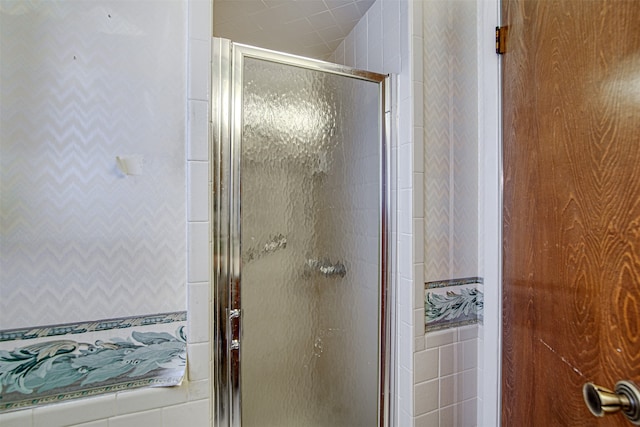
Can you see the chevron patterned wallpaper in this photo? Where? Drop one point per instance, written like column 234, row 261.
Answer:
column 451, row 139
column 82, row 83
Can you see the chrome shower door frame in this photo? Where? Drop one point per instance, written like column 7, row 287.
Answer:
column 226, row 130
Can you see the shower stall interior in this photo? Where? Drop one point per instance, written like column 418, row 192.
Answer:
column 301, row 271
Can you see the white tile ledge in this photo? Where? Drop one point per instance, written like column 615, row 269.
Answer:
column 97, row 408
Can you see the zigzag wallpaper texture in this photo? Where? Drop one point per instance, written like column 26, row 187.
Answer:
column 450, row 139
column 92, row 160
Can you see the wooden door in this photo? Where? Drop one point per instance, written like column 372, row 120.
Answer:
column 571, row 271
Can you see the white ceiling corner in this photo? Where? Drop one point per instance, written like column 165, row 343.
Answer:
column 312, row 28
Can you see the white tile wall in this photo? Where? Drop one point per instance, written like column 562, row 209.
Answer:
column 434, row 181
column 145, row 418
column 446, row 378
column 191, row 413
column 17, row 419
column 188, row 404
column 75, row 412
column 101, row 423
column 384, row 36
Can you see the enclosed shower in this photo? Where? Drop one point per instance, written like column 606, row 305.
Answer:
column 301, row 271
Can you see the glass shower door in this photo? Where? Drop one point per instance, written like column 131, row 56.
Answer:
column 305, row 288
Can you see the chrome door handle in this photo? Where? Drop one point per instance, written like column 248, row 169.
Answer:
column 602, row 401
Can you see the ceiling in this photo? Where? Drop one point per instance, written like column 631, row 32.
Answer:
column 312, row 28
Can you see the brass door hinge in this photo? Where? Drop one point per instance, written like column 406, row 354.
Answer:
column 501, row 40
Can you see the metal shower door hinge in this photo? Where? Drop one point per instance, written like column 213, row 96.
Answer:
column 234, row 315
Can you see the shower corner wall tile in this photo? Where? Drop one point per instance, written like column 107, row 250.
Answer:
column 191, row 414
column 406, row 163
column 405, row 10
column 418, row 151
column 198, row 191
column 448, row 416
column 405, row 91
column 418, row 279
column 198, row 256
column 404, row 300
column 469, row 384
column 418, row 285
column 200, row 14
column 199, row 67
column 432, row 419
column 361, row 41
column 404, row 218
column 199, row 390
column 425, row 365
column 450, row 390
column 468, row 332
column 480, row 331
column 419, row 343
column 451, row 359
column 418, row 244
column 405, row 419
column 350, row 50
column 374, row 31
column 147, row 418
column 440, row 338
column 390, row 64
column 418, row 105
column 480, row 368
column 198, row 361
column 198, row 304
column 390, row 11
column 391, row 42
column 405, row 255
column 198, row 125
column 470, row 354
column 129, row 402
column 417, row 69
column 75, row 412
column 405, row 382
column 418, row 322
column 23, row 418
column 375, row 62
column 426, row 397
column 415, row 17
column 405, row 346
column 479, row 411
column 99, row 423
column 469, row 414
column 405, row 46
column 418, row 197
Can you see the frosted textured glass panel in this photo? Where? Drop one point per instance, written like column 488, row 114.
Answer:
column 310, row 201
column 82, row 83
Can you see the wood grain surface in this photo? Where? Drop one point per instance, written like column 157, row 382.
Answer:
column 571, row 271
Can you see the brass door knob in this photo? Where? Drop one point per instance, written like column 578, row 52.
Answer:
column 602, row 401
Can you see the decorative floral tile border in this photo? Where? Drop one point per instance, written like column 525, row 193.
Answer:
column 90, row 358
column 92, row 326
column 452, row 303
